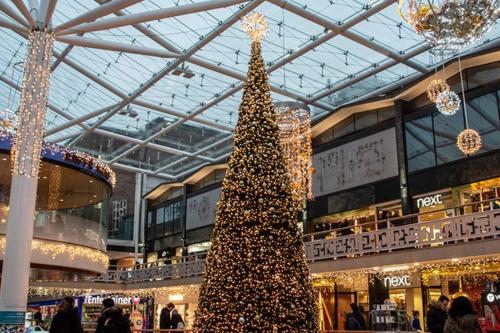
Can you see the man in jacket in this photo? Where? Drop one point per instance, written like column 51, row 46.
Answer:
column 437, row 315
column 108, row 303
column 166, row 316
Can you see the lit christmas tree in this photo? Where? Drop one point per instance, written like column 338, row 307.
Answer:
column 256, row 277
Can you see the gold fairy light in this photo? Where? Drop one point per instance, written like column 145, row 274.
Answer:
column 295, row 138
column 436, row 87
column 28, row 141
column 469, row 141
column 255, row 25
column 55, row 250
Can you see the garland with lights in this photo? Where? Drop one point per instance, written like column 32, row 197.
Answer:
column 70, row 155
column 256, row 277
column 57, row 249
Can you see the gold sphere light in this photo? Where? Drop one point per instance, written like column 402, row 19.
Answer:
column 294, row 122
column 469, row 141
column 448, row 102
column 436, row 87
column 449, row 25
column 255, row 25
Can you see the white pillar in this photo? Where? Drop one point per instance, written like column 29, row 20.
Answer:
column 137, row 214
column 26, row 161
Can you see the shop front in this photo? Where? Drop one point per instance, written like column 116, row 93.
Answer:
column 185, row 300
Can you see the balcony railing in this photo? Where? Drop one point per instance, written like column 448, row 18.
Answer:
column 407, row 232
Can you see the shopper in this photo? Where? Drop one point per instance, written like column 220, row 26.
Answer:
column 462, row 317
column 415, row 321
column 358, row 314
column 38, row 317
column 117, row 322
column 166, row 316
column 66, row 319
column 436, row 318
column 177, row 321
column 108, row 303
column 350, row 322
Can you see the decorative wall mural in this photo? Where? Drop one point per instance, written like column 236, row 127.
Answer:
column 356, row 163
column 201, row 209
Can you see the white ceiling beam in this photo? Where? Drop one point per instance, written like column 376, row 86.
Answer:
column 47, row 8
column 151, row 15
column 368, row 73
column 198, row 45
column 201, row 151
column 9, row 11
column 313, row 17
column 13, row 26
column 115, row 46
column 96, row 13
column 25, row 11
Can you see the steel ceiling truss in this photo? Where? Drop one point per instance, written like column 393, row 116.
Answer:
column 72, row 31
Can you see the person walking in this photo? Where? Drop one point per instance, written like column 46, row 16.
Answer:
column 415, row 321
column 116, row 322
column 108, row 303
column 66, row 319
column 462, row 318
column 166, row 316
column 437, row 315
column 350, row 322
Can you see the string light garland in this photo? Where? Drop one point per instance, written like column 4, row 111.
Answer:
column 436, row 87
column 449, row 25
column 255, row 25
column 8, row 120
column 57, row 249
column 256, row 276
column 27, row 146
column 469, row 141
column 73, row 156
column 295, row 137
column 448, row 102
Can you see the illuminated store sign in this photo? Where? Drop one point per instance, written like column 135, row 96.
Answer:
column 89, row 299
column 430, row 201
column 493, row 298
column 397, row 281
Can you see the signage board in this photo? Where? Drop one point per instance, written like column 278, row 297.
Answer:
column 119, row 300
column 165, row 253
column 430, row 201
column 492, row 297
column 12, row 317
column 397, row 281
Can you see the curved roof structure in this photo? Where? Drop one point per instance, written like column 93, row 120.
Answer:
column 155, row 85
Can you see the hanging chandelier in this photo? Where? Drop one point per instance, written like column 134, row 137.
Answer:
column 469, row 141
column 448, row 102
column 449, row 25
column 436, row 87
column 294, row 122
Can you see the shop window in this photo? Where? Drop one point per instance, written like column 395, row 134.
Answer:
column 365, row 119
column 482, row 75
column 420, row 144
column 385, row 114
column 345, row 127
column 446, row 130
column 324, row 137
column 160, row 215
column 483, row 117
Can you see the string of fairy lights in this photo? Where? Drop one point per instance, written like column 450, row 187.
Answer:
column 58, row 250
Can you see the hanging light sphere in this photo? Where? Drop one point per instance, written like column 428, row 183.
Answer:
column 447, row 102
column 449, row 25
column 436, row 87
column 469, row 141
column 8, row 120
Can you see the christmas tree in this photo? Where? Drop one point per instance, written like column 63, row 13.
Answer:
column 256, row 277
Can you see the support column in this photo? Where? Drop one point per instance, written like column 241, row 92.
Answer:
column 185, row 192
column 137, row 214
column 25, row 166
column 406, row 203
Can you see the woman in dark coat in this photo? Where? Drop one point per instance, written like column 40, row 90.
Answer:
column 462, row 318
column 66, row 319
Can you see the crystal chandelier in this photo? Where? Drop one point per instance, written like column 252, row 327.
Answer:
column 469, row 141
column 436, row 87
column 295, row 138
column 449, row 25
column 448, row 102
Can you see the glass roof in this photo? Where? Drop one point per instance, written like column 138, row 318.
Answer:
column 184, row 119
